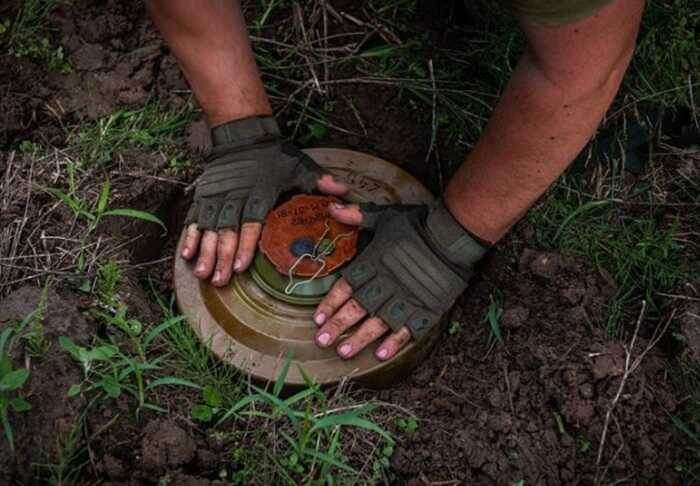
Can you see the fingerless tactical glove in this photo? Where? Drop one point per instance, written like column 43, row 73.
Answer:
column 418, row 262
column 249, row 167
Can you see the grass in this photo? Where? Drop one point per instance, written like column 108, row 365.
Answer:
column 28, row 35
column 666, row 67
column 641, row 254
column 151, row 126
column 300, row 439
column 313, row 437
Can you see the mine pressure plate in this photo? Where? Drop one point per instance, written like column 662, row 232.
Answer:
column 264, row 316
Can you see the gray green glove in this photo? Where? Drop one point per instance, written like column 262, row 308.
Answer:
column 418, row 262
column 249, row 167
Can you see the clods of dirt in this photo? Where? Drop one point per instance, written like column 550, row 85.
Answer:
column 53, row 414
column 534, row 408
column 165, row 446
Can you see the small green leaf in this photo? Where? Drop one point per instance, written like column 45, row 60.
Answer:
column 318, row 131
column 14, row 379
column 212, row 397
column 136, row 214
column 111, row 386
column 203, row 413
column 74, row 389
column 67, row 344
column 20, row 405
column 104, row 197
column 101, row 353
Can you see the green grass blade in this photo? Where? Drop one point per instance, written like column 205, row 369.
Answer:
column 293, row 415
column 329, row 460
column 136, row 214
column 680, row 425
column 155, row 332
column 282, row 376
column 8, row 430
column 4, row 337
column 238, row 406
column 352, row 419
column 172, row 380
column 574, row 214
column 102, row 201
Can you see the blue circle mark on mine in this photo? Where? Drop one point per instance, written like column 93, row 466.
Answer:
column 302, row 246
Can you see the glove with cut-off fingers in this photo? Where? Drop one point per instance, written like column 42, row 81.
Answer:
column 249, row 166
column 417, row 264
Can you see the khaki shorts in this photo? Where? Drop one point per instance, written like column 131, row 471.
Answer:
column 555, row 12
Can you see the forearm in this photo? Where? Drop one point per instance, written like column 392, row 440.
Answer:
column 210, row 40
column 536, row 130
column 543, row 120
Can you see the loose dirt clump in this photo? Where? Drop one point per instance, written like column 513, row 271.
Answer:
column 533, row 408
column 166, row 446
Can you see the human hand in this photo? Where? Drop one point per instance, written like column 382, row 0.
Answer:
column 418, row 262
column 249, row 167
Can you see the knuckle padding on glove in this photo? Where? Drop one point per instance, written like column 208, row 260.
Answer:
column 372, row 295
column 421, row 321
column 192, row 213
column 208, row 213
column 396, row 312
column 230, row 215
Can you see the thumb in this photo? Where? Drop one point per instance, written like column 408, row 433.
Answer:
column 364, row 215
column 327, row 184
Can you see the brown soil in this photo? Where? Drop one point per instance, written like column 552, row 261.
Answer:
column 531, row 410
column 534, row 409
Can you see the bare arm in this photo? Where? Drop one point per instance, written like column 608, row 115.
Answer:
column 552, row 106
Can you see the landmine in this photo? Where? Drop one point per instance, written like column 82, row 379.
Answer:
column 264, row 316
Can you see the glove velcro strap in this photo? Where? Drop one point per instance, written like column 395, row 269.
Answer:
column 245, row 131
column 452, row 239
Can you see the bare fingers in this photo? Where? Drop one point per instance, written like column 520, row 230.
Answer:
column 248, row 243
column 207, row 254
column 192, row 237
column 350, row 314
column 337, row 296
column 393, row 344
column 368, row 332
column 225, row 251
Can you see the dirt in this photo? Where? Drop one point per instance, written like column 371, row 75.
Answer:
column 53, row 415
column 532, row 409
